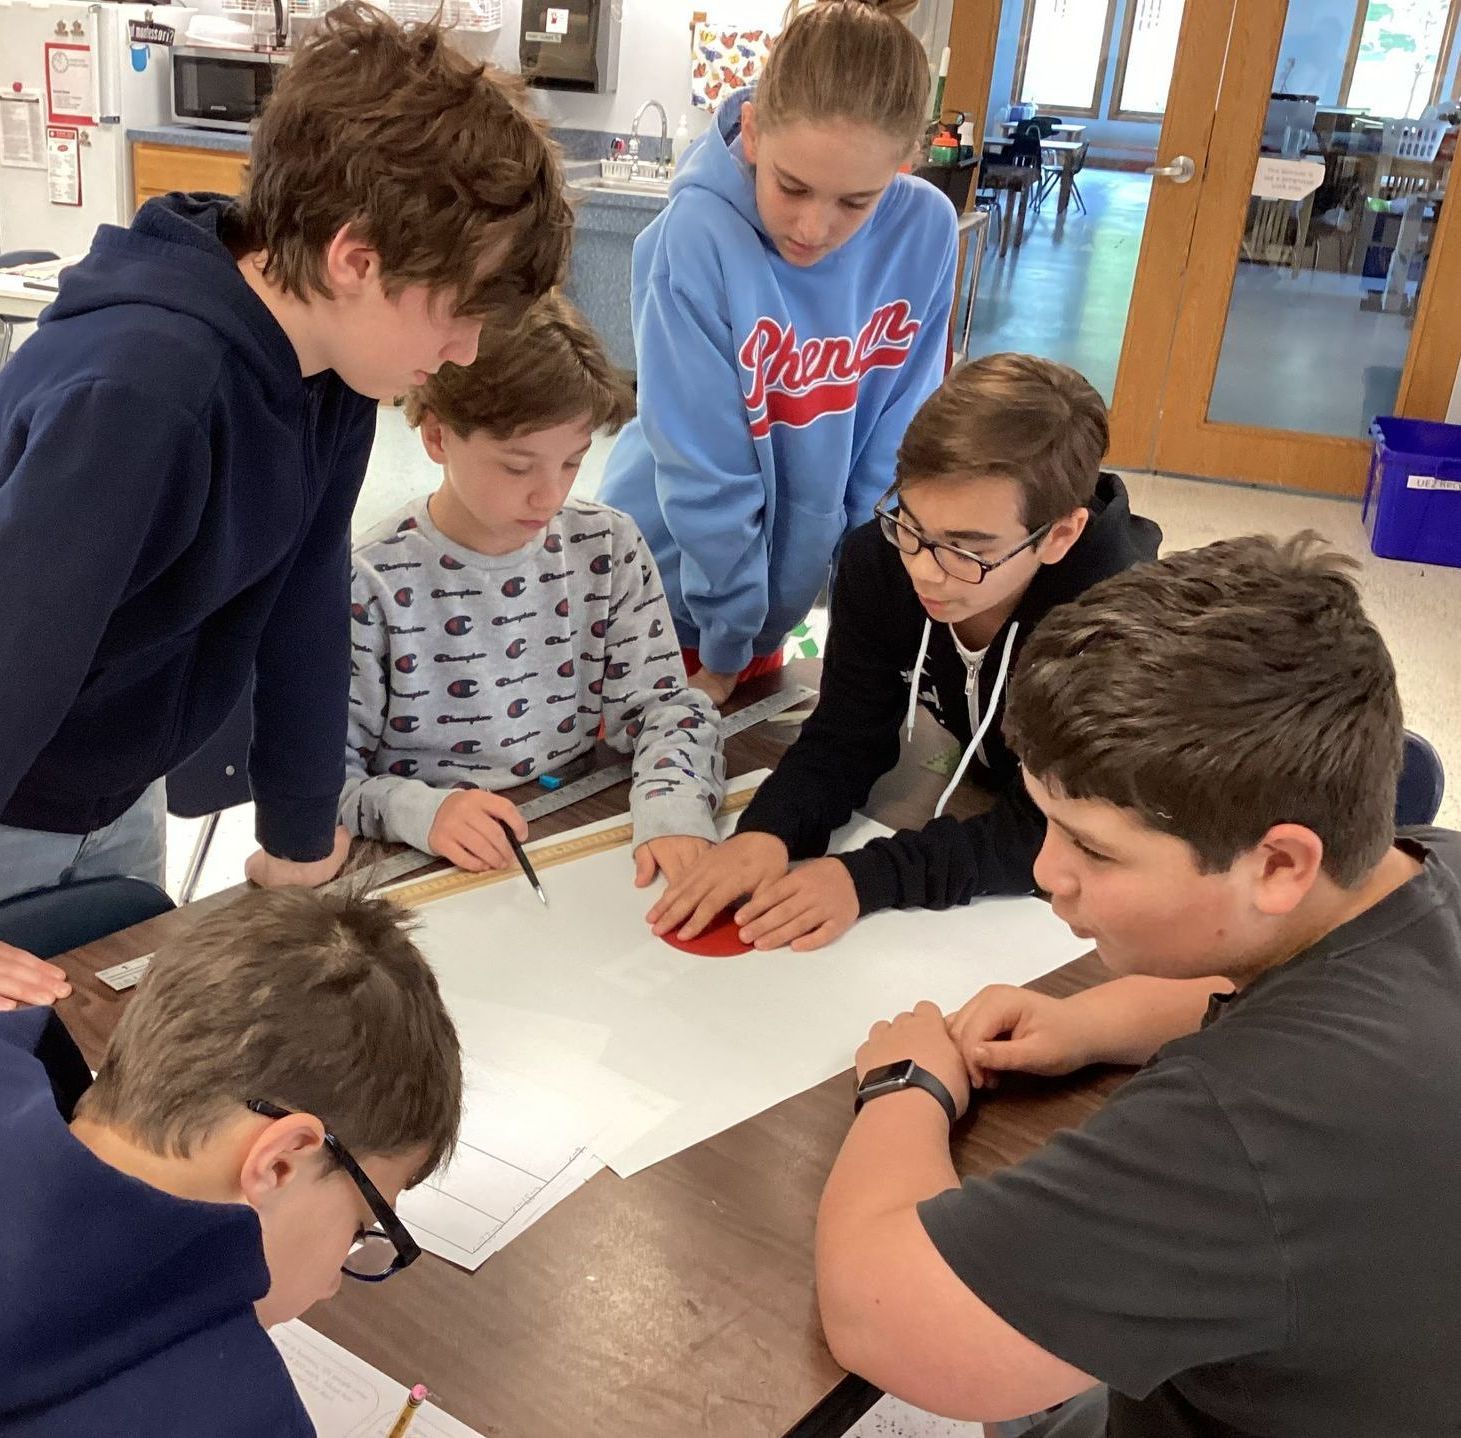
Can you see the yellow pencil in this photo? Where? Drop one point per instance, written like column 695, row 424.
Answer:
column 414, row 1399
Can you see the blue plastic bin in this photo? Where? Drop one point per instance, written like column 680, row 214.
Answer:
column 1413, row 497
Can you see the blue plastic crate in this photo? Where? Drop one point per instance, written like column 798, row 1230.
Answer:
column 1413, row 497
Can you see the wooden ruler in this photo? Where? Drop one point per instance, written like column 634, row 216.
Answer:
column 457, row 881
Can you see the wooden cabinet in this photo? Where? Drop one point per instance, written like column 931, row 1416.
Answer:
column 158, row 169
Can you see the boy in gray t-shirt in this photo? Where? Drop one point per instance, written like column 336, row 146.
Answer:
column 1256, row 1237
column 499, row 627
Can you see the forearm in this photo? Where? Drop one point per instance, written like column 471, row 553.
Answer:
column 895, row 1156
column 1129, row 1019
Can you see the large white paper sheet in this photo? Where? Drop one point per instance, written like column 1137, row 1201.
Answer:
column 720, row 1039
column 347, row 1398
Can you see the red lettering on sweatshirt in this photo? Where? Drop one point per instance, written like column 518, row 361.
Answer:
column 794, row 384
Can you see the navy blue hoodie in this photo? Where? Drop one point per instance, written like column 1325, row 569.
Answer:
column 175, row 505
column 125, row 1310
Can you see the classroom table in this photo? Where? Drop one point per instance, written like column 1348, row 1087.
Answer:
column 1064, row 153
column 1070, row 130
column 679, row 1301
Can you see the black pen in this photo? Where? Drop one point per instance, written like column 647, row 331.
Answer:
column 520, row 854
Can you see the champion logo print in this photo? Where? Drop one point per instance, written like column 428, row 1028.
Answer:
column 796, row 382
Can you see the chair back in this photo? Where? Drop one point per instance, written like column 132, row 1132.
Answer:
column 1422, row 782
column 216, row 777
column 47, row 922
column 1024, row 150
column 1047, row 124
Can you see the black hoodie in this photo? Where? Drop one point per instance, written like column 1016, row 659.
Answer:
column 852, row 738
column 175, row 505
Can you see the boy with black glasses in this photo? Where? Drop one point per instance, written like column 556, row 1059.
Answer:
column 285, row 1069
column 1000, row 511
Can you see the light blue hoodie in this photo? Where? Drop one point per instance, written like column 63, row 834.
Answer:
column 772, row 399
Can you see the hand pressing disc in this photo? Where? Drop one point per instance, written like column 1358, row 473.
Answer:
column 720, row 939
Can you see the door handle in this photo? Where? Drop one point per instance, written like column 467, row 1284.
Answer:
column 1180, row 171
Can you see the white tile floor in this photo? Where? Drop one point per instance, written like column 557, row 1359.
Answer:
column 1417, row 607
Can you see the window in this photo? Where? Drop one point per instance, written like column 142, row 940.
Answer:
column 1148, row 53
column 1395, row 56
column 1064, row 46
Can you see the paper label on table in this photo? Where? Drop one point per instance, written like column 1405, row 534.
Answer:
column 21, row 143
column 1286, row 179
column 719, row 1039
column 63, row 164
column 345, row 1397
column 68, row 84
column 556, row 22
column 1431, row 481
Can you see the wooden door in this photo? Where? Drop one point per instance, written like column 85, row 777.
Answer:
column 1299, row 320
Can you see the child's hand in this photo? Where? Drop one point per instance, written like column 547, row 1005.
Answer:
column 808, row 908
column 718, row 686
column 263, row 869
column 672, row 855
column 466, row 831
column 1004, row 1028
column 919, row 1034
column 25, row 979
column 739, row 866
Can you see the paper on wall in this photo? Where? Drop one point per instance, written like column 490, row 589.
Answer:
column 21, row 144
column 347, row 1398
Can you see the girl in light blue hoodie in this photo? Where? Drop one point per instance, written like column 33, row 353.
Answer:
column 791, row 310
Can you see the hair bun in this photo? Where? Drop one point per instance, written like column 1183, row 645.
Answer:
column 896, row 8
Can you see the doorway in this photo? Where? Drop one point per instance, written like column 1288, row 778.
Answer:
column 1283, row 275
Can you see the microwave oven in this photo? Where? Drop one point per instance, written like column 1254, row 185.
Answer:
column 222, row 89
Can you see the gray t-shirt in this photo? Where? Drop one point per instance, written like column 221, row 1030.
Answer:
column 490, row 670
column 1260, row 1234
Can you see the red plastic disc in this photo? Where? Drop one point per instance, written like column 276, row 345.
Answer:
column 720, row 939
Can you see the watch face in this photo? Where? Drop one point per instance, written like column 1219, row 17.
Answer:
column 885, row 1077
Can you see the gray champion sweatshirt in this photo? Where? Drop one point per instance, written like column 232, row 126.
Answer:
column 486, row 671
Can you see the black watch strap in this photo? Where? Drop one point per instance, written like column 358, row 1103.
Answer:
column 893, row 1078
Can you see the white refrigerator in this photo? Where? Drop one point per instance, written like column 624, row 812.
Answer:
column 74, row 77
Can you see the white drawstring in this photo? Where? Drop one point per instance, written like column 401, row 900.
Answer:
column 917, row 675
column 989, row 713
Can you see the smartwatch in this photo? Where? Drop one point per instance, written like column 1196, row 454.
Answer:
column 892, row 1078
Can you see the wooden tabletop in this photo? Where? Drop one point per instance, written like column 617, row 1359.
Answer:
column 679, row 1301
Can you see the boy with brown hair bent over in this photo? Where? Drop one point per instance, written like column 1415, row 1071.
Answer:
column 285, row 1069
column 999, row 512
column 1257, row 1235
column 182, row 441
column 498, row 624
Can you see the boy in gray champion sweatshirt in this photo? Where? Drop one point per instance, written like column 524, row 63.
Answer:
column 497, row 623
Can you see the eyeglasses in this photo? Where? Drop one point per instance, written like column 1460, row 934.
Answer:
column 955, row 562
column 377, row 1252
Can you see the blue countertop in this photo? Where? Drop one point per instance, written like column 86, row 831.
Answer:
column 193, row 137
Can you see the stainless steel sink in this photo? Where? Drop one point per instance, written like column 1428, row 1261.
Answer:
column 622, row 187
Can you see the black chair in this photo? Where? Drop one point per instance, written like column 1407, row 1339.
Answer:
column 1012, row 169
column 1051, row 178
column 8, row 322
column 1422, row 782
column 47, row 922
column 214, row 779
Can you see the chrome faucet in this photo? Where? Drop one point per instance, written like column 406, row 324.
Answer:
column 664, row 133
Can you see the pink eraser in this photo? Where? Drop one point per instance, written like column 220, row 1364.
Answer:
column 420, row 1393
